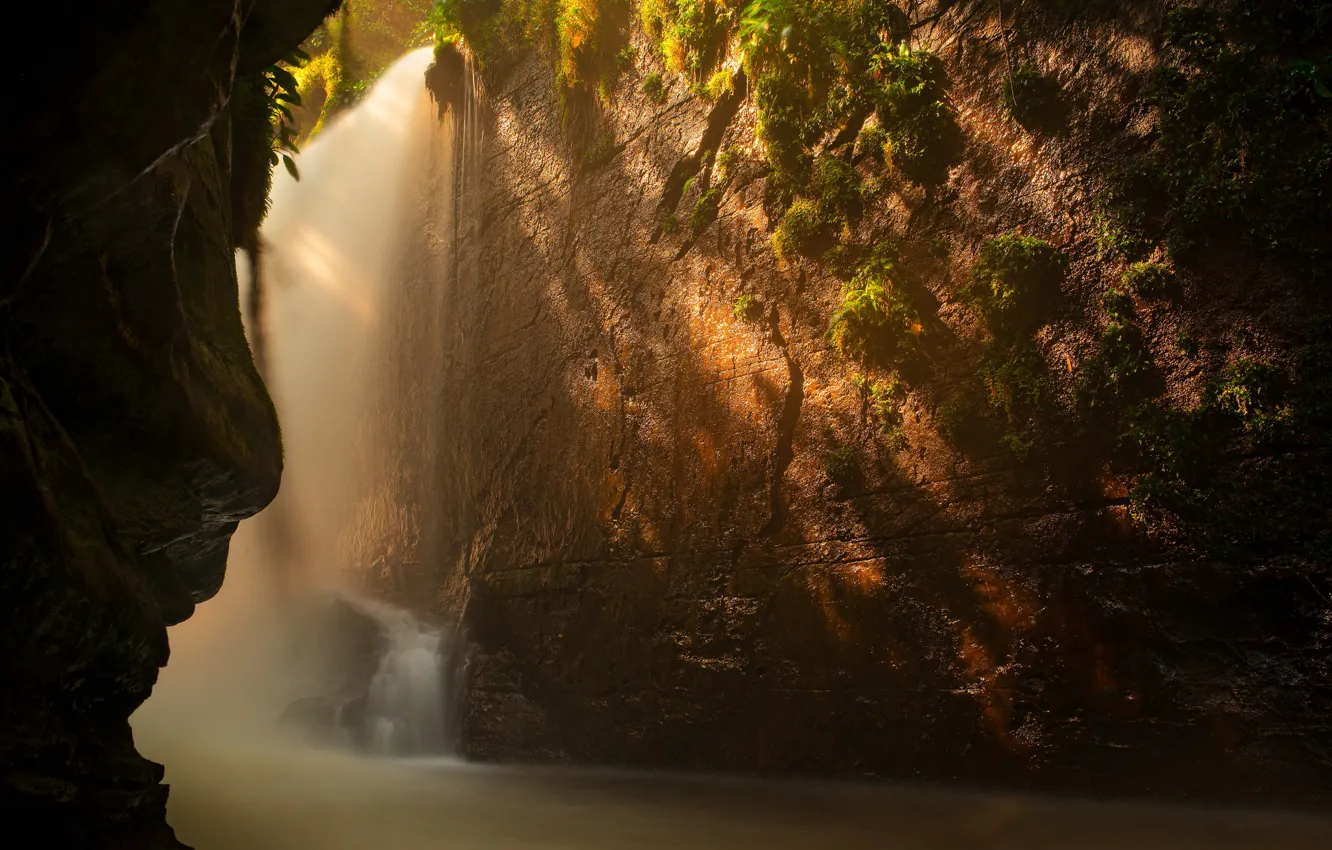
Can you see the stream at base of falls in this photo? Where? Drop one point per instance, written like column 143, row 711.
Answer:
column 310, row 799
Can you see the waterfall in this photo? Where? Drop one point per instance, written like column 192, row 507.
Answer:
column 405, row 709
column 357, row 264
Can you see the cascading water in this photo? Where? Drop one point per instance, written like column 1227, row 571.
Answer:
column 356, row 260
column 360, row 265
column 405, row 708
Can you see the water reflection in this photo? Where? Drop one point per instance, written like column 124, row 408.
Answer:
column 329, row 801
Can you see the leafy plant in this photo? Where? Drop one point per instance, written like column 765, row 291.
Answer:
column 1242, row 150
column 781, row 108
column 884, row 398
column 1124, row 211
column 1187, row 345
column 914, row 109
column 872, row 144
column 836, row 189
column 802, row 231
column 725, row 164
column 1252, row 391
column 957, row 417
column 875, row 324
column 280, row 90
column 842, row 468
column 601, row 151
column 1012, row 375
column 1014, row 281
column 1118, row 375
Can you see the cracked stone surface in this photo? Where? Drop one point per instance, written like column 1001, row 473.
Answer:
column 654, row 568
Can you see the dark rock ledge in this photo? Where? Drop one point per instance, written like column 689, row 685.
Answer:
column 135, row 431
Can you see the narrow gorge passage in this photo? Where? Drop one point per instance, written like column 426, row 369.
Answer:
column 723, row 424
column 298, row 713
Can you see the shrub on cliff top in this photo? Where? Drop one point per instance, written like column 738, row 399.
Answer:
column 1014, row 281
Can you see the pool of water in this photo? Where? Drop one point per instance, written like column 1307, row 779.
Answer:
column 295, row 798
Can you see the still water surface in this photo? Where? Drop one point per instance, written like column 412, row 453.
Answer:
column 279, row 799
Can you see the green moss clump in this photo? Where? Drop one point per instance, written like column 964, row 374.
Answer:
column 1150, row 281
column 719, row 84
column 748, row 309
column 690, row 35
column 914, row 109
column 654, row 88
column 802, row 231
column 1014, row 282
column 875, row 323
column 705, row 211
column 586, row 41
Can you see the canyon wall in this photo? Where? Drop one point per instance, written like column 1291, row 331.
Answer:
column 677, row 536
column 135, row 431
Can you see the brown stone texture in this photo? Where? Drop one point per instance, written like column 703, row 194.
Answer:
column 645, row 550
column 135, row 431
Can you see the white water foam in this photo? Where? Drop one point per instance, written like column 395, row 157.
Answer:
column 405, row 710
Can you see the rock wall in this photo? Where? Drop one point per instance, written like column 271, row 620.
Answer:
column 659, row 561
column 135, row 431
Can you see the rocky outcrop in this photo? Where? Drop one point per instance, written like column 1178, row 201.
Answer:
column 343, row 647
column 654, row 541
column 134, row 430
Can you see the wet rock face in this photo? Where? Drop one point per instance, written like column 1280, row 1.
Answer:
column 134, row 430
column 343, row 647
column 658, row 550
